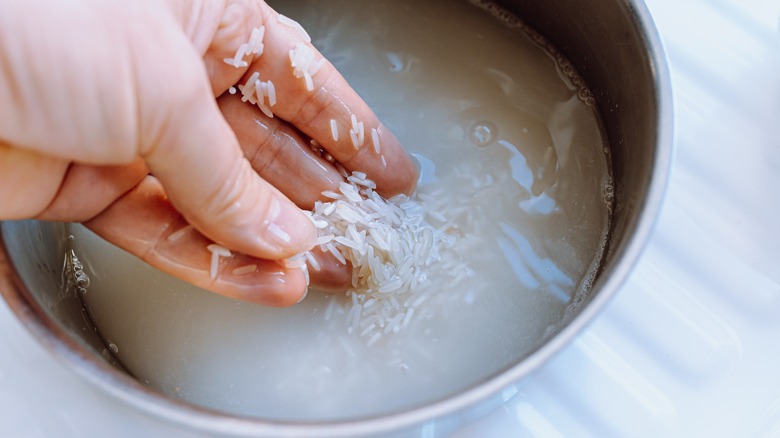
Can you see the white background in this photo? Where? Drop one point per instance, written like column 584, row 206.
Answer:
column 691, row 344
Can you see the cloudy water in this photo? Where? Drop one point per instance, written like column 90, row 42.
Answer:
column 503, row 135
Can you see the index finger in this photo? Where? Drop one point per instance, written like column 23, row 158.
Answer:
column 306, row 90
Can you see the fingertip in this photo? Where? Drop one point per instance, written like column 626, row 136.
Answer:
column 288, row 228
column 401, row 179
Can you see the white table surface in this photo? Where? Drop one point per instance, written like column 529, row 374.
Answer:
column 691, row 344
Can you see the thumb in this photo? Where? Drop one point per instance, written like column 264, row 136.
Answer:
column 197, row 158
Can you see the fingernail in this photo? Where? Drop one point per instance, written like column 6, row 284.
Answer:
column 288, row 227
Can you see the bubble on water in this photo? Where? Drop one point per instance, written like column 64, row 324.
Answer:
column 609, row 194
column 481, row 134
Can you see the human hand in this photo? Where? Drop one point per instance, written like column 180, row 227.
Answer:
column 94, row 96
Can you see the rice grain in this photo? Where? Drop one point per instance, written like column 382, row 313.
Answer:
column 394, row 251
column 375, row 141
column 334, row 130
column 289, row 22
column 216, row 252
column 178, row 234
column 244, row 270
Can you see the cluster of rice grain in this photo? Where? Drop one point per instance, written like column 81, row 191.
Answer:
column 257, row 92
column 357, row 133
column 253, row 47
column 398, row 249
column 303, row 64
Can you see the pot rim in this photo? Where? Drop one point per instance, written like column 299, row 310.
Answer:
column 500, row 386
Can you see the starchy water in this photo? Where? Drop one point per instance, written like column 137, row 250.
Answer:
column 500, row 127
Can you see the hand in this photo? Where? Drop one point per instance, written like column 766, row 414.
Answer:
column 108, row 116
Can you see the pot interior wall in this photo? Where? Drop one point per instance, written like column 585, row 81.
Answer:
column 604, row 41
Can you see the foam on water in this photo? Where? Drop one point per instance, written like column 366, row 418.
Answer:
column 501, row 128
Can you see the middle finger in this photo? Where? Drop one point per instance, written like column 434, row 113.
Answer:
column 279, row 153
column 318, row 101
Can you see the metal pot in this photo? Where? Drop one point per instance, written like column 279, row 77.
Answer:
column 614, row 46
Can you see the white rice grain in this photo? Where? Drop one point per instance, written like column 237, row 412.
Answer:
column 313, row 261
column 374, row 339
column 289, row 22
column 295, row 261
column 332, row 249
column 361, row 134
column 256, row 46
column 347, row 242
column 265, row 110
column 392, row 247
column 219, row 249
column 245, row 270
column 308, row 81
column 354, row 137
column 303, row 64
column 391, row 286
column 330, row 309
column 277, row 231
column 214, row 265
column 331, row 194
column 322, row 240
column 313, row 71
column 408, row 317
column 342, row 171
column 178, row 234
column 271, row 93
column 368, row 330
column 438, row 216
column 334, row 130
column 305, row 269
column 375, row 141
column 216, row 252
column 237, row 60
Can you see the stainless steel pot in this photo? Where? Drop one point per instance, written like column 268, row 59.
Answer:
column 614, row 46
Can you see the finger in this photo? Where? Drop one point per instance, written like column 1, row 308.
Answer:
column 235, row 26
column 29, row 181
column 330, row 98
column 279, row 153
column 87, row 190
column 328, row 274
column 196, row 156
column 145, row 224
